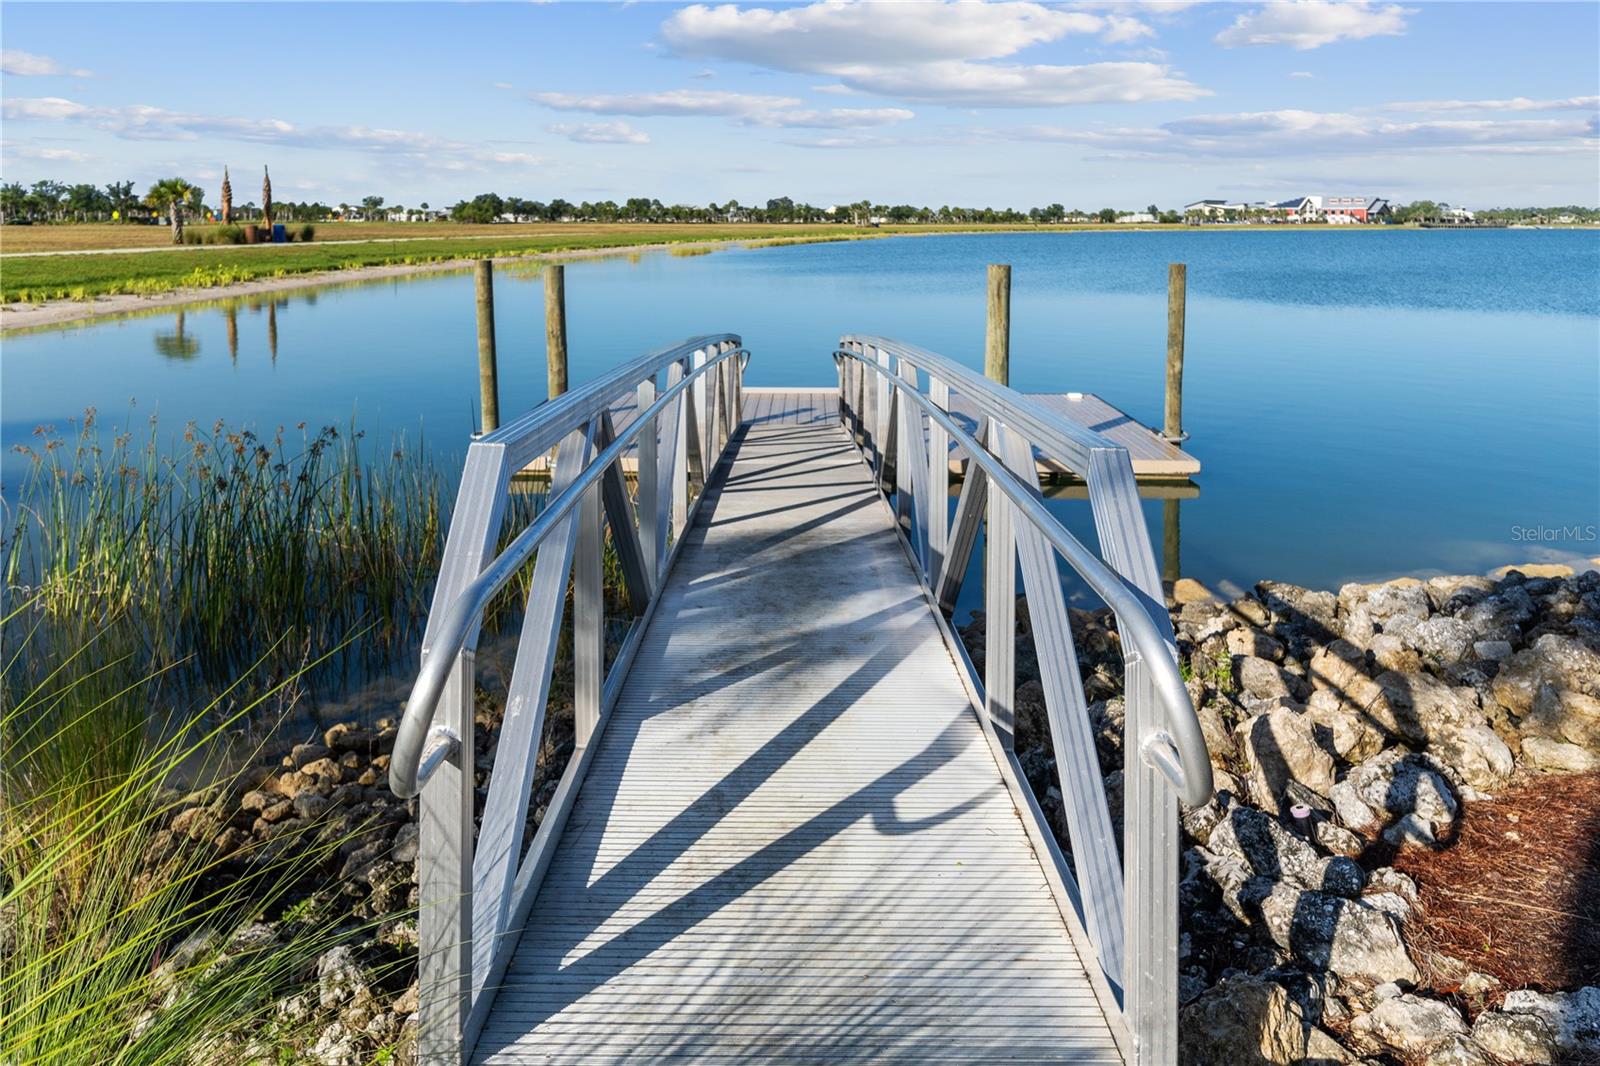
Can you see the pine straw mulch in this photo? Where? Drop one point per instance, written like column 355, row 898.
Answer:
column 1516, row 893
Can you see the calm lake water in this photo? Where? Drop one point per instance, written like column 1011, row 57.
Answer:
column 1365, row 404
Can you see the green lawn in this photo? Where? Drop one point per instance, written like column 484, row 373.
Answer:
column 83, row 276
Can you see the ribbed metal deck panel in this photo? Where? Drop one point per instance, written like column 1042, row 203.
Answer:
column 793, row 843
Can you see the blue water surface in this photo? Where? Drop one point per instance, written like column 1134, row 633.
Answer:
column 1365, row 404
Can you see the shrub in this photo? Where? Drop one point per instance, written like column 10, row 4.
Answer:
column 193, row 236
column 308, row 232
column 230, row 235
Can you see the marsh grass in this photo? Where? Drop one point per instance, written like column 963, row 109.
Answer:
column 225, row 543
column 119, row 940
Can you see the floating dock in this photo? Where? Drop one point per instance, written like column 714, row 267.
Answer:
column 1154, row 458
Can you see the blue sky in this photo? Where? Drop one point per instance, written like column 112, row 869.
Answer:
column 1009, row 103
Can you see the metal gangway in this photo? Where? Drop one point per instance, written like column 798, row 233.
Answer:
column 794, row 827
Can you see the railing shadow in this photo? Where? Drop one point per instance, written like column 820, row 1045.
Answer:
column 858, row 1001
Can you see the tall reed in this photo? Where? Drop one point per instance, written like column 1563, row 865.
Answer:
column 227, row 543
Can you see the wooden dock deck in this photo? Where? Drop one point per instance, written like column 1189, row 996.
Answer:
column 1154, row 458
column 794, row 843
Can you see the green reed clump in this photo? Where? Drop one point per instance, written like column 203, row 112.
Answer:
column 226, row 543
column 118, row 941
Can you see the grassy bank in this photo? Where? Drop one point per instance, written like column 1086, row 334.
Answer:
column 81, row 277
column 151, row 272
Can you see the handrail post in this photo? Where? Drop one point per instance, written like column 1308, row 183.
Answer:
column 648, row 480
column 938, row 506
column 676, row 458
column 588, row 619
column 444, row 875
column 1000, row 609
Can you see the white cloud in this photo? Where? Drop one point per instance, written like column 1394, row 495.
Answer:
column 601, row 133
column 1305, row 24
column 50, row 155
column 28, row 64
column 936, row 51
column 1301, row 74
column 671, row 102
column 1011, row 85
column 746, row 108
column 503, row 85
column 836, row 118
column 821, row 35
column 1276, row 135
column 1519, row 103
column 142, row 122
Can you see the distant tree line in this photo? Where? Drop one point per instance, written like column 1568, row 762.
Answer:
column 490, row 207
column 52, row 201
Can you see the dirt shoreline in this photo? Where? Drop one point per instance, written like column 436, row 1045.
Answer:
column 17, row 318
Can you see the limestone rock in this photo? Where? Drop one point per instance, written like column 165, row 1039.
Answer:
column 1526, row 1038
column 1492, row 650
column 1346, row 936
column 1281, row 747
column 1298, row 606
column 1397, row 783
column 1477, row 754
column 1573, row 1017
column 1263, row 678
column 1266, row 848
column 1556, row 755
column 1392, row 653
column 1449, row 594
column 1342, row 729
column 1565, row 714
column 1409, row 1025
column 1242, row 1021
column 1561, row 661
column 1425, row 707
column 1438, row 641
column 302, row 754
column 1253, row 642
column 1188, row 590
column 1500, row 615
column 339, row 977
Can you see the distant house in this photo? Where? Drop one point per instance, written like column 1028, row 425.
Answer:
column 1135, row 217
column 1457, row 215
column 1298, row 209
column 1345, row 209
column 1211, row 208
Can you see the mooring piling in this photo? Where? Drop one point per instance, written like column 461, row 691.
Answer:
column 997, row 338
column 488, row 371
column 1177, row 284
column 555, row 327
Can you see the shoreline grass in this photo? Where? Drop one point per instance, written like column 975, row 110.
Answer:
column 121, row 940
column 221, row 543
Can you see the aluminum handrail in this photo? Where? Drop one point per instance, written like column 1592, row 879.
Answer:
column 1180, row 755
column 1057, row 437
column 413, row 759
column 541, row 429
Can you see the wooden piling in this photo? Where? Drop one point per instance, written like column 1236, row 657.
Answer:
column 1177, row 284
column 488, row 371
column 997, row 340
column 555, row 327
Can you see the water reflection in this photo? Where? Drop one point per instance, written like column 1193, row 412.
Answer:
column 177, row 344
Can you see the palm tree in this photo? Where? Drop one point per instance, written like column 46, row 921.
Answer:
column 171, row 195
column 227, row 199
